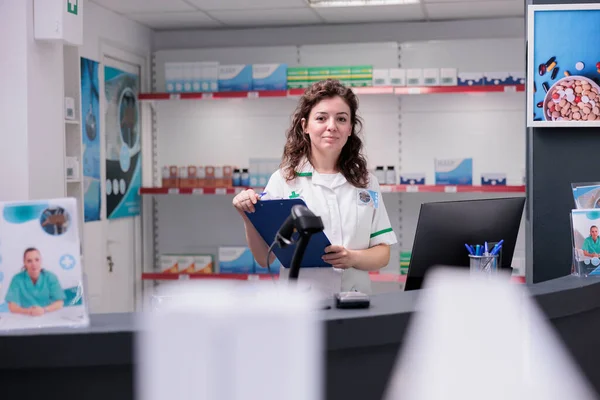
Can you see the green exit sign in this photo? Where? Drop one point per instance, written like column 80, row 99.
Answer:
column 72, row 6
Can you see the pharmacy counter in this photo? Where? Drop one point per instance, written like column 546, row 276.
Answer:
column 97, row 362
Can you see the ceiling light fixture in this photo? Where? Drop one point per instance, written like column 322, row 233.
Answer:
column 358, row 3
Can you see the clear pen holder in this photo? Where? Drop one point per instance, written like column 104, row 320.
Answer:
column 483, row 264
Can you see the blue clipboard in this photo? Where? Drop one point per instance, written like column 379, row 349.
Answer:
column 268, row 217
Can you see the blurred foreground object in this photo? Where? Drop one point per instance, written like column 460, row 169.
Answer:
column 479, row 338
column 223, row 341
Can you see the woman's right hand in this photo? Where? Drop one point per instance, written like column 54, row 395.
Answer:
column 245, row 201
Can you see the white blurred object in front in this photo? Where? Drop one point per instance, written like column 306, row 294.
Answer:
column 216, row 340
column 475, row 339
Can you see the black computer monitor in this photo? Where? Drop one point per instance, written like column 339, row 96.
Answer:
column 444, row 228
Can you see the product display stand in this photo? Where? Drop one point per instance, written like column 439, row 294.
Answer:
column 556, row 157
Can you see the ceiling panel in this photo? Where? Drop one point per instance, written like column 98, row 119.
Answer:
column 292, row 16
column 176, row 20
column 145, row 6
column 209, row 5
column 403, row 12
column 481, row 9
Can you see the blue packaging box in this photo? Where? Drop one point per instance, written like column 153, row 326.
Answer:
column 269, row 77
column 412, row 179
column 517, row 78
column 235, row 78
column 454, row 171
column 493, row 179
column 235, row 260
column 496, row 78
column 470, row 79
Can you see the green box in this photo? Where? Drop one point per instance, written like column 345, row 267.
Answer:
column 404, row 262
column 297, row 78
column 340, row 73
column 298, row 84
column 362, row 75
column 297, row 73
column 316, row 74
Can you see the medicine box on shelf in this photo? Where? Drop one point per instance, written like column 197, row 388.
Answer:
column 397, row 77
column 412, row 179
column 493, row 179
column 431, row 77
column 414, row 77
column 470, row 78
column 448, row 77
column 496, row 78
column 235, row 260
column 235, row 78
column 269, row 77
column 454, row 171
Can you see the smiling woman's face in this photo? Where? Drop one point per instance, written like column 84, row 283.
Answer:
column 329, row 126
column 33, row 263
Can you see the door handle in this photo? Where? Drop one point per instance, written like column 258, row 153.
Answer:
column 111, row 263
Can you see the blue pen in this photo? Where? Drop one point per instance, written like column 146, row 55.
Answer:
column 485, row 248
column 477, row 250
column 499, row 244
column 262, row 194
column 496, row 250
column 469, row 249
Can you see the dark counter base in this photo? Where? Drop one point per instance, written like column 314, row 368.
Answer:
column 362, row 345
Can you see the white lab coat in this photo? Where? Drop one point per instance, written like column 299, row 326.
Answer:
column 354, row 218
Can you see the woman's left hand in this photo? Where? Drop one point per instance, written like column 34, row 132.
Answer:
column 339, row 257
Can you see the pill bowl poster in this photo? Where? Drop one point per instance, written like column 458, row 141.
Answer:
column 563, row 70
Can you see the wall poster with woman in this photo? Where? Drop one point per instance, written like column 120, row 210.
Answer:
column 41, row 278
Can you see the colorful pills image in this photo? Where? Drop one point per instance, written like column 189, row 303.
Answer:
column 579, row 66
column 542, row 69
column 567, row 73
column 554, row 73
column 550, row 61
column 551, row 67
column 545, row 86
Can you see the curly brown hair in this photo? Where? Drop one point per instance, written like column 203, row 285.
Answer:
column 351, row 162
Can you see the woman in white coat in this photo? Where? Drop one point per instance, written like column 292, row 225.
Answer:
column 323, row 164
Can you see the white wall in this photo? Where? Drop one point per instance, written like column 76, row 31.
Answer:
column 351, row 33
column 105, row 29
column 14, row 182
column 46, row 122
column 31, row 111
column 104, row 26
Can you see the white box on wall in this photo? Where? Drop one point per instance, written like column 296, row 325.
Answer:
column 58, row 20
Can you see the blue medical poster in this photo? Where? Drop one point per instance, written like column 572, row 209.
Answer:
column 123, row 145
column 41, row 276
column 563, row 70
column 90, row 131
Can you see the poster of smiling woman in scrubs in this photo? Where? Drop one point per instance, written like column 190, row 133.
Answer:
column 41, row 279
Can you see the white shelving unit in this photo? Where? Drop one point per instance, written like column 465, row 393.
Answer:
column 73, row 143
column 404, row 127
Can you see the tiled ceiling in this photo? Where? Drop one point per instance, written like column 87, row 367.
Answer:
column 219, row 14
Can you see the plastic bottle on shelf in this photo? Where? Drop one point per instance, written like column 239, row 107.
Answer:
column 380, row 174
column 237, row 177
column 390, row 175
column 245, row 181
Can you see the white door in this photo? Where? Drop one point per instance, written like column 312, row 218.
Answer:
column 123, row 245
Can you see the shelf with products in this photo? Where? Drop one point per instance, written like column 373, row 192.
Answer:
column 367, row 90
column 384, row 189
